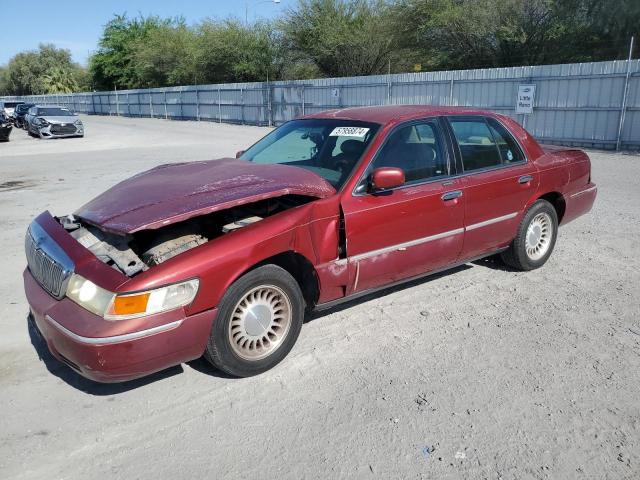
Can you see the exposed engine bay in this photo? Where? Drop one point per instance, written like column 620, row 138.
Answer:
column 135, row 253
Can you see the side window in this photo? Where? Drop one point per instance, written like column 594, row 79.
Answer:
column 477, row 146
column 509, row 149
column 416, row 149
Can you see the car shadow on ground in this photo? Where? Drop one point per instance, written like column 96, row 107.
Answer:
column 494, row 263
column 75, row 380
column 385, row 291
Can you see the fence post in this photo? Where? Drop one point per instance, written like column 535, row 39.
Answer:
column 150, row 104
column 451, row 92
column 128, row 105
column 389, row 87
column 197, row 104
column 242, row 104
column 180, row 103
column 166, row 117
column 623, row 107
column 219, row 107
column 269, row 106
column 302, row 96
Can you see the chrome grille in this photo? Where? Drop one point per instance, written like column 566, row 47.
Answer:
column 51, row 274
column 63, row 129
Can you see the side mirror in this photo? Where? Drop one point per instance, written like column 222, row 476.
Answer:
column 384, row 178
column 239, row 153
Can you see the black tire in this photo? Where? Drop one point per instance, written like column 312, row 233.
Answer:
column 516, row 256
column 219, row 351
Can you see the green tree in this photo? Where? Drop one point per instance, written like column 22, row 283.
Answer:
column 26, row 72
column 231, row 51
column 114, row 63
column 3, row 81
column 498, row 33
column 166, row 56
column 341, row 37
column 59, row 80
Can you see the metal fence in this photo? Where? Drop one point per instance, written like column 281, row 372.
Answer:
column 581, row 104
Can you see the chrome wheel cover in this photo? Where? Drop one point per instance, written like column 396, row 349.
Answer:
column 539, row 236
column 260, row 322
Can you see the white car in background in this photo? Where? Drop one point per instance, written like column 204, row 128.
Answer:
column 53, row 122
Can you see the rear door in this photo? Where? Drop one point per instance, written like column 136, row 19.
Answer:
column 418, row 227
column 498, row 182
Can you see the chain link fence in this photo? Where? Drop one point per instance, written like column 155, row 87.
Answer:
column 584, row 104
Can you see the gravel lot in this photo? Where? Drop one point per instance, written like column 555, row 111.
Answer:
column 477, row 373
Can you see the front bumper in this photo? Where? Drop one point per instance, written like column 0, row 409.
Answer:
column 56, row 131
column 145, row 349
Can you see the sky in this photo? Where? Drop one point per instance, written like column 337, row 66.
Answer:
column 77, row 25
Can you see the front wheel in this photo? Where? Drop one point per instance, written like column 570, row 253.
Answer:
column 259, row 320
column 536, row 237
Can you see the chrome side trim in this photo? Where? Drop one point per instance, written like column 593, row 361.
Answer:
column 419, row 241
column 401, row 246
column 354, row 296
column 491, row 221
column 584, row 191
column 117, row 338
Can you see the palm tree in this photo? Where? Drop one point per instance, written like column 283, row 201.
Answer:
column 59, row 80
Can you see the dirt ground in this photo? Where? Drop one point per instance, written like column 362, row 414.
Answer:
column 477, row 373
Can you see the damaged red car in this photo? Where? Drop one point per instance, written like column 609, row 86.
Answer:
column 223, row 258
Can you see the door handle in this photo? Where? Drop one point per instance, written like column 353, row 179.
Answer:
column 451, row 195
column 525, row 179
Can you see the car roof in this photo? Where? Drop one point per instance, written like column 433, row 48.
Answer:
column 396, row 113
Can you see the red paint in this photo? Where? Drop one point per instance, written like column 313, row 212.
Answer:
column 385, row 234
column 387, row 177
column 176, row 192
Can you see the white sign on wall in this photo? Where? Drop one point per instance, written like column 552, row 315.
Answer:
column 526, row 96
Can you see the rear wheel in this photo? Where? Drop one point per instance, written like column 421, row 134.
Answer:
column 259, row 320
column 535, row 239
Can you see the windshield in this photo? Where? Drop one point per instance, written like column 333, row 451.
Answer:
column 54, row 112
column 23, row 108
column 330, row 148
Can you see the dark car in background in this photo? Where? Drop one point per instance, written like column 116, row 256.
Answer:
column 5, row 127
column 19, row 114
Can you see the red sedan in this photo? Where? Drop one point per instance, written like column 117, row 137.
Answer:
column 222, row 258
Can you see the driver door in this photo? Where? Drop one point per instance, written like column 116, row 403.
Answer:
column 415, row 228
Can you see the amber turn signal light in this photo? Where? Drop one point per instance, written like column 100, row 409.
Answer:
column 130, row 304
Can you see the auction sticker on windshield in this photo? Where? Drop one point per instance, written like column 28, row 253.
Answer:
column 349, row 132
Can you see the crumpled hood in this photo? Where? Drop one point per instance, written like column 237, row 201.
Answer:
column 176, row 192
column 61, row 119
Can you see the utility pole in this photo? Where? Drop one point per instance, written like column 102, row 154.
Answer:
column 623, row 107
column 246, row 8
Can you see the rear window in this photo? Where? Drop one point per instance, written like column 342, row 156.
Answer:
column 23, row 108
column 484, row 143
column 510, row 151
